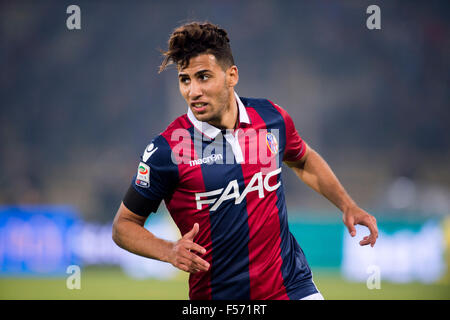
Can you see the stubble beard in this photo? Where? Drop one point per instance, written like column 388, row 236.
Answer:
column 224, row 103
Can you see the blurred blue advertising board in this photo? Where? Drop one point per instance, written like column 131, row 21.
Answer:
column 36, row 239
column 45, row 240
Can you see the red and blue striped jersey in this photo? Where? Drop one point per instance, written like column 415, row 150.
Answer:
column 230, row 183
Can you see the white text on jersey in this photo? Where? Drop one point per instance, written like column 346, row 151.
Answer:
column 209, row 159
column 257, row 183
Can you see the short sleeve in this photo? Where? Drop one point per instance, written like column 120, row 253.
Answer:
column 295, row 146
column 155, row 179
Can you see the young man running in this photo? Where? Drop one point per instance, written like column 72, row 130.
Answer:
column 218, row 170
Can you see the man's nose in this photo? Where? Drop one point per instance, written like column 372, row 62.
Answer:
column 195, row 90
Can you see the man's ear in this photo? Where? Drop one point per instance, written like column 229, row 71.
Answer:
column 232, row 76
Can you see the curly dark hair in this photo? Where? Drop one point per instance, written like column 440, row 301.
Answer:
column 192, row 39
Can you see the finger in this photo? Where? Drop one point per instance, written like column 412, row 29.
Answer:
column 200, row 263
column 184, row 252
column 372, row 225
column 191, row 234
column 193, row 270
column 350, row 224
column 182, row 267
column 193, row 262
column 192, row 246
column 366, row 240
column 186, row 265
column 191, row 259
column 364, row 243
column 188, row 269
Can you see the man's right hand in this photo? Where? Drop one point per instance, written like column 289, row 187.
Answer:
column 183, row 257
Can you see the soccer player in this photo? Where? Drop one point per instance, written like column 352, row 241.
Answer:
column 218, row 170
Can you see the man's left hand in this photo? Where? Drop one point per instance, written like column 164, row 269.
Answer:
column 355, row 215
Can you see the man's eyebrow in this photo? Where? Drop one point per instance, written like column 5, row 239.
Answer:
column 201, row 72
column 196, row 74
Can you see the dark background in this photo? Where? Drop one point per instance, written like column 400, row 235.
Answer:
column 78, row 107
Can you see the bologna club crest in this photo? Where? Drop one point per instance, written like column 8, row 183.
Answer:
column 272, row 143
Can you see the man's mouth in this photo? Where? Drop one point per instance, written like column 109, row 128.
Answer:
column 199, row 106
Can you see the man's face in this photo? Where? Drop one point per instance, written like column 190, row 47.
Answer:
column 207, row 88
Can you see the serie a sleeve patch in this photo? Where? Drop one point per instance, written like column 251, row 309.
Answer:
column 143, row 175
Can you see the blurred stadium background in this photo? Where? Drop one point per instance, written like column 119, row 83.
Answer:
column 78, row 108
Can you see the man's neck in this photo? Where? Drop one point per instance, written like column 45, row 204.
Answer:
column 229, row 119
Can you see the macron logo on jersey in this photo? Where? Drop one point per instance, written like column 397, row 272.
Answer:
column 149, row 151
column 257, row 183
column 209, row 159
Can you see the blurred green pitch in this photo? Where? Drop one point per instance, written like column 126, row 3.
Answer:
column 111, row 283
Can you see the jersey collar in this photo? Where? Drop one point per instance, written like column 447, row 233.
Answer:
column 211, row 131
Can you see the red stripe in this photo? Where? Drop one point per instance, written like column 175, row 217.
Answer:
column 182, row 207
column 266, row 281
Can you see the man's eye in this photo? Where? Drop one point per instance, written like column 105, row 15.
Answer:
column 184, row 80
column 204, row 77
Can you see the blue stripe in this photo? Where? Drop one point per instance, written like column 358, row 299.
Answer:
column 294, row 268
column 229, row 230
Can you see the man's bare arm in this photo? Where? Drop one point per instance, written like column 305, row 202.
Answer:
column 129, row 233
column 313, row 170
